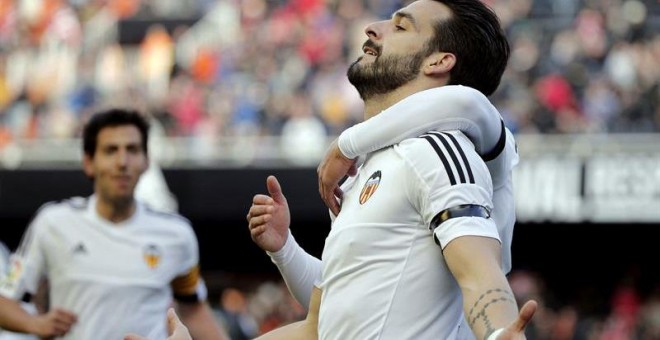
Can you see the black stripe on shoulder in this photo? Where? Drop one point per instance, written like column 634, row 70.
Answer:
column 452, row 154
column 443, row 158
column 499, row 147
column 462, row 154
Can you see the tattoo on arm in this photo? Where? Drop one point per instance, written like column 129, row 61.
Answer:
column 490, row 297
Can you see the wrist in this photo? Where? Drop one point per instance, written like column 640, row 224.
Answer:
column 495, row 334
column 343, row 147
column 284, row 254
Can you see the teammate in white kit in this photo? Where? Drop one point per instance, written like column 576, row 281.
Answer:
column 115, row 263
column 415, row 251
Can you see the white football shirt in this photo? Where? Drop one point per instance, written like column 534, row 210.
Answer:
column 384, row 276
column 118, row 278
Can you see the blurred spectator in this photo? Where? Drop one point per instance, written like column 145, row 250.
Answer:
column 232, row 311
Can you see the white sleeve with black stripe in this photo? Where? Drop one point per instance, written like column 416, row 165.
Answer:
column 451, row 174
column 450, row 107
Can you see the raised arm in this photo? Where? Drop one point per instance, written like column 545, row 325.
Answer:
column 268, row 221
column 451, row 107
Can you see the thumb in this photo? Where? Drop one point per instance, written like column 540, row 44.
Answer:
column 275, row 190
column 172, row 320
column 526, row 313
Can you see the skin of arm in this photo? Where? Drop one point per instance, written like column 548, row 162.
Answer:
column 15, row 319
column 306, row 329
column 200, row 321
column 488, row 301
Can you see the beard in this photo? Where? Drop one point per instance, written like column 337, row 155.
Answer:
column 385, row 74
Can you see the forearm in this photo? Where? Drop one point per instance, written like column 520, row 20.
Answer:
column 14, row 318
column 488, row 307
column 444, row 108
column 299, row 269
column 200, row 321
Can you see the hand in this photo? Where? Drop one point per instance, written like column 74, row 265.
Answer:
column 57, row 322
column 516, row 330
column 269, row 218
column 175, row 329
column 334, row 166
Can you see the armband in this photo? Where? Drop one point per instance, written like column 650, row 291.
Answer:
column 464, row 210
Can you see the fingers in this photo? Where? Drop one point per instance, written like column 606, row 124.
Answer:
column 134, row 337
column 64, row 316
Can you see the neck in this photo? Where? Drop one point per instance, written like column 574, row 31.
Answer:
column 374, row 105
column 115, row 212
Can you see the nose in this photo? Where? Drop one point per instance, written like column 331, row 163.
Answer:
column 122, row 158
column 374, row 30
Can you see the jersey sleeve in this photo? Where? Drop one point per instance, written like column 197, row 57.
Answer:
column 188, row 286
column 27, row 266
column 451, row 175
column 451, row 107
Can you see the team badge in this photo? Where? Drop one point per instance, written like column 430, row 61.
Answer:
column 370, row 187
column 152, row 255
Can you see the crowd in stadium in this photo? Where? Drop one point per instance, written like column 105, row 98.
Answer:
column 259, row 67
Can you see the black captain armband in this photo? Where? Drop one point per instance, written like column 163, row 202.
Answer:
column 464, row 210
column 186, row 299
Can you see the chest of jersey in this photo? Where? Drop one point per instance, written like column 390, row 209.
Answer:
column 84, row 249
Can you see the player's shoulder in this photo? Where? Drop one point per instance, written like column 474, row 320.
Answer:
column 439, row 145
column 166, row 217
column 67, row 205
column 449, row 154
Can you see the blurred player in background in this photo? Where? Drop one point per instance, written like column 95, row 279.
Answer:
column 108, row 258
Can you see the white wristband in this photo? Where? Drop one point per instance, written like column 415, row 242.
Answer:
column 494, row 335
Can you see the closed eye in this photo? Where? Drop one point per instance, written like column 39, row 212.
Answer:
column 399, row 28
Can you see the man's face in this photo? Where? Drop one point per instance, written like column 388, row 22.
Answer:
column 396, row 49
column 117, row 164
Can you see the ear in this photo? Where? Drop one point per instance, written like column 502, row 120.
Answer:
column 88, row 165
column 439, row 64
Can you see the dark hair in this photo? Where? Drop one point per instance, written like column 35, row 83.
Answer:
column 112, row 118
column 475, row 36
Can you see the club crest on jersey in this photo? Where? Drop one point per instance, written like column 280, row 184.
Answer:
column 370, row 187
column 152, row 255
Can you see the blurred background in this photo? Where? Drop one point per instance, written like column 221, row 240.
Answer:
column 240, row 89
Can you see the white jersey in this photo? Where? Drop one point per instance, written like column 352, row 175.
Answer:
column 118, row 278
column 451, row 107
column 384, row 276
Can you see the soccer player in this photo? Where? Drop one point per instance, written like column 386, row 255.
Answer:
column 415, row 252
column 115, row 263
